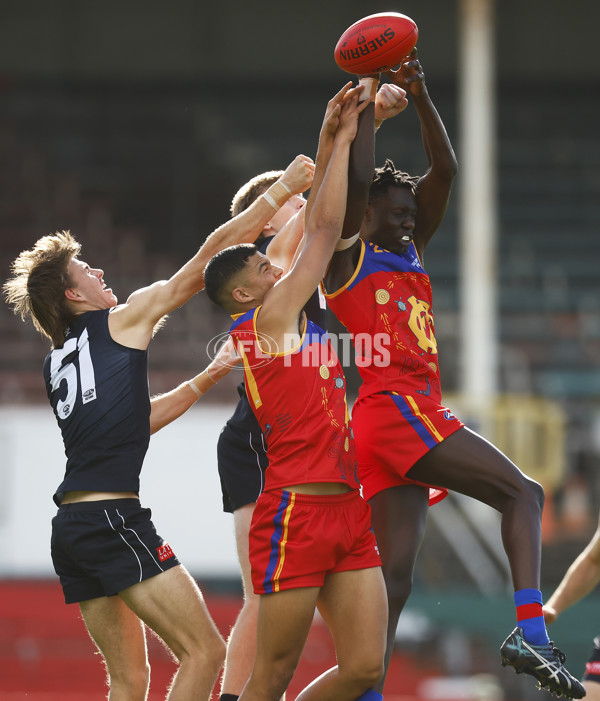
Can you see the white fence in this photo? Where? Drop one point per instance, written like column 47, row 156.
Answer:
column 180, row 483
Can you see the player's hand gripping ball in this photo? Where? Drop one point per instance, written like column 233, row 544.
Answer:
column 376, row 43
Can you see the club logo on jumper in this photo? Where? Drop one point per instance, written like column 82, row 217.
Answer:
column 421, row 324
column 164, row 552
column 449, row 415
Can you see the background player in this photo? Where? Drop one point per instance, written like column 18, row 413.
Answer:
column 579, row 580
column 407, row 441
column 310, row 481
column 103, row 541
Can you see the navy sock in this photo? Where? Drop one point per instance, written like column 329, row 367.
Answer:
column 228, row 697
column 530, row 616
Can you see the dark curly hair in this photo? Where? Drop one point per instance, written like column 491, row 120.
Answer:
column 387, row 176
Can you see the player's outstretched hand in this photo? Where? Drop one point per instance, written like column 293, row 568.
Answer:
column 298, row 176
column 410, row 75
column 334, row 106
column 224, row 361
column 389, row 101
column 351, row 107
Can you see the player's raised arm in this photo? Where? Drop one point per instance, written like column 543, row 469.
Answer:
column 285, row 300
column 360, row 177
column 324, row 150
column 362, row 160
column 132, row 324
column 433, row 188
column 325, row 146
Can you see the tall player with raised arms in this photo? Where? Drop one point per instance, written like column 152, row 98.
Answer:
column 411, row 448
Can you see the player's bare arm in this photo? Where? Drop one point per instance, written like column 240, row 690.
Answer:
column 286, row 246
column 132, row 324
column 282, row 249
column 433, row 188
column 165, row 408
column 580, row 579
column 283, row 303
column 324, row 150
column 326, row 141
column 360, row 176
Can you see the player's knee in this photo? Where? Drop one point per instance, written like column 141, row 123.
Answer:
column 131, row 683
column 208, row 654
column 280, row 676
column 398, row 584
column 367, row 674
column 535, row 494
column 215, row 652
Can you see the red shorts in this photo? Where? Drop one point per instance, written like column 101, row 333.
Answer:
column 296, row 540
column 392, row 431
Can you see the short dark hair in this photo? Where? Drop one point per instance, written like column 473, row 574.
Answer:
column 222, row 267
column 387, row 176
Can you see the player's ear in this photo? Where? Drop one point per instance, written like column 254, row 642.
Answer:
column 368, row 213
column 72, row 294
column 240, row 295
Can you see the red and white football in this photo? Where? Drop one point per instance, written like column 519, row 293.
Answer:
column 376, row 43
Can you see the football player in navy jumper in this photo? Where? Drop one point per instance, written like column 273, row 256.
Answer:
column 105, row 548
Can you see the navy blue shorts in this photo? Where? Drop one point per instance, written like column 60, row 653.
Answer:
column 241, row 459
column 592, row 666
column 100, row 548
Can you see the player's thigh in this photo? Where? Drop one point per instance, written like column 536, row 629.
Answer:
column 354, row 607
column 284, row 620
column 117, row 632
column 399, row 517
column 466, row 462
column 242, row 518
column 172, row 605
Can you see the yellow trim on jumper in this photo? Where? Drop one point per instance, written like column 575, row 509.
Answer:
column 251, row 386
column 354, row 274
column 283, row 353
